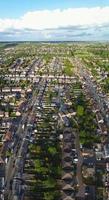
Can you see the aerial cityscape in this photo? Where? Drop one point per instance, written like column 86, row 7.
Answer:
column 54, row 100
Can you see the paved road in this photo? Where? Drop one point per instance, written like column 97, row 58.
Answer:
column 81, row 192
column 85, row 77
column 12, row 170
column 63, row 116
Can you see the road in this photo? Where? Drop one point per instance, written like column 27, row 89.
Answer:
column 98, row 97
column 81, row 192
column 22, row 144
column 64, row 116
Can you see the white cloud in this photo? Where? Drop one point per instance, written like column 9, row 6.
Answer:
column 55, row 19
column 58, row 18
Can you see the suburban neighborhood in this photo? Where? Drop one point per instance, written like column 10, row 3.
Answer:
column 54, row 121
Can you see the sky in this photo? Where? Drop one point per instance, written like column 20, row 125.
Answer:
column 59, row 20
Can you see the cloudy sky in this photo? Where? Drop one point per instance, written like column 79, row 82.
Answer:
column 61, row 20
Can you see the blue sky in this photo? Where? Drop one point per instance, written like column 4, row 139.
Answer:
column 54, row 20
column 16, row 8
